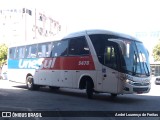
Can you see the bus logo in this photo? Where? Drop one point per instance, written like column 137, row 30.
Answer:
column 36, row 63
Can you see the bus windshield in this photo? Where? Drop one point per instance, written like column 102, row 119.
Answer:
column 133, row 57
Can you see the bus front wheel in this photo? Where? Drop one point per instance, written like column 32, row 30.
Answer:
column 30, row 83
column 89, row 89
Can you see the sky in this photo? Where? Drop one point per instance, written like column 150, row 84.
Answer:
column 125, row 16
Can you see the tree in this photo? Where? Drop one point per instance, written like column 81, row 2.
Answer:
column 156, row 52
column 3, row 54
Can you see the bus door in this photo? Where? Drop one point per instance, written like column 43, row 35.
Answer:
column 110, row 74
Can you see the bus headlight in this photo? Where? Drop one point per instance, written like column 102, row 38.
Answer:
column 129, row 82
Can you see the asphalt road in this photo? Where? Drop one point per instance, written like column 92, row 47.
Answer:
column 15, row 97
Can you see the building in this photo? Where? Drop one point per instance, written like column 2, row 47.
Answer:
column 20, row 25
column 155, row 69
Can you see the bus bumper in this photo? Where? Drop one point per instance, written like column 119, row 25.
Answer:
column 138, row 88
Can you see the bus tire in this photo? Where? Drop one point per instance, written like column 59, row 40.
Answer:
column 30, row 84
column 52, row 88
column 113, row 95
column 89, row 89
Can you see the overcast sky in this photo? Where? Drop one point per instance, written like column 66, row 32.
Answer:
column 119, row 15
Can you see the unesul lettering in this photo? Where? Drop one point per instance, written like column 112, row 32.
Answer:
column 48, row 63
column 38, row 63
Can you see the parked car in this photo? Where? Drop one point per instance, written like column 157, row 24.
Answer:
column 3, row 74
column 157, row 81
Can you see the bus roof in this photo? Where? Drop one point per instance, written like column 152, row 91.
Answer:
column 98, row 31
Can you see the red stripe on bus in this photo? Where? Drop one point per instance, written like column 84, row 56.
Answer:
column 68, row 63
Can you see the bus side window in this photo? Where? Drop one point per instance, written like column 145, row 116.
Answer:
column 31, row 51
column 110, row 57
column 59, row 48
column 27, row 52
column 44, row 49
column 20, row 52
column 78, row 46
column 12, row 53
column 49, row 47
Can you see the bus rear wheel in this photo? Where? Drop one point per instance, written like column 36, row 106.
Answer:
column 53, row 88
column 89, row 89
column 113, row 95
column 30, row 84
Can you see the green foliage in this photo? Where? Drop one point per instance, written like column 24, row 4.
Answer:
column 3, row 54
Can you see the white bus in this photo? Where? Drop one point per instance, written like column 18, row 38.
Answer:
column 95, row 60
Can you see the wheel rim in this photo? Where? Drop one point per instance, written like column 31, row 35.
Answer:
column 29, row 83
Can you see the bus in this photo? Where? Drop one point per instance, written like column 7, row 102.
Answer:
column 98, row 61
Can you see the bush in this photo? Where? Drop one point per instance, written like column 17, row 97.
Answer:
column 3, row 54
